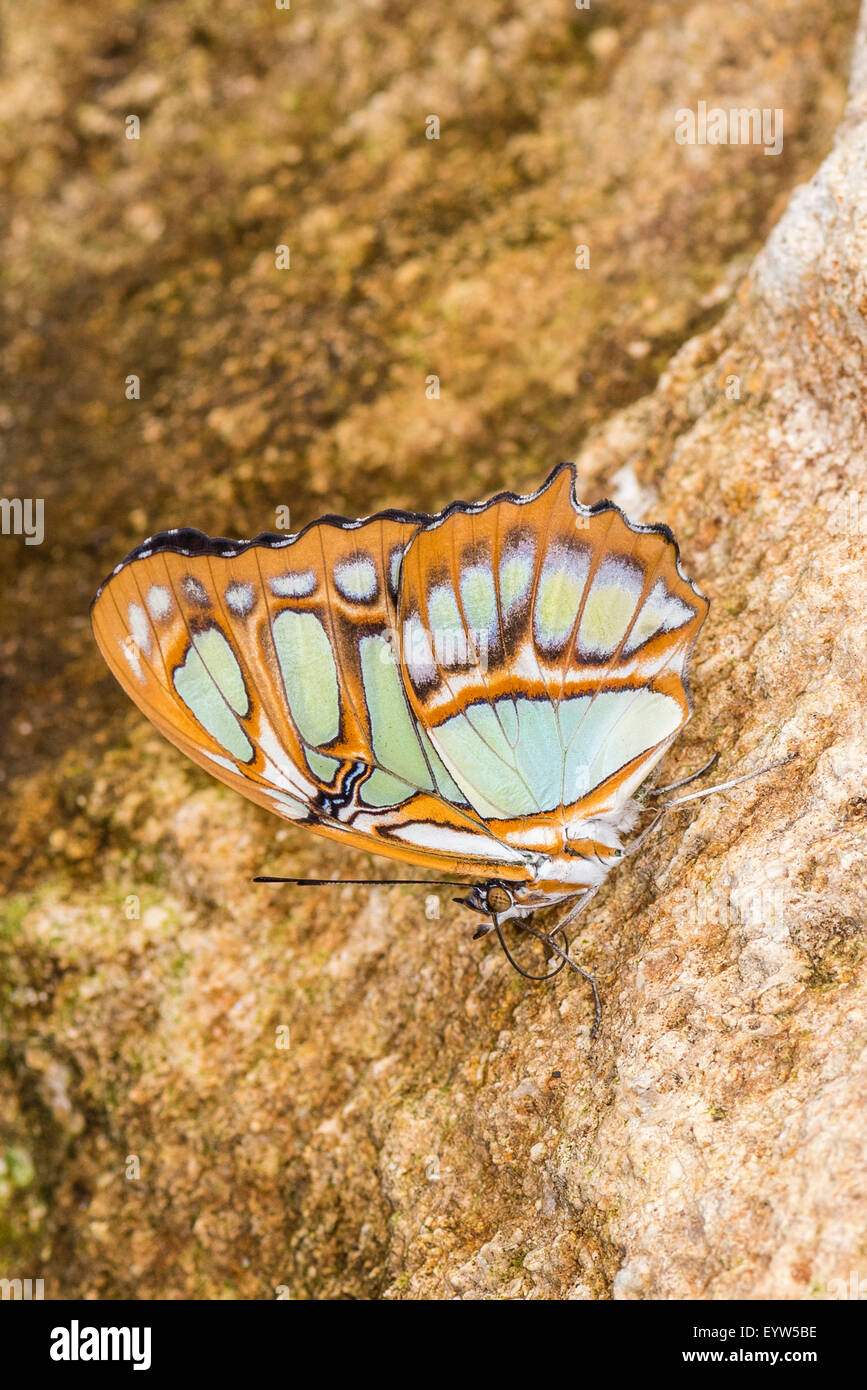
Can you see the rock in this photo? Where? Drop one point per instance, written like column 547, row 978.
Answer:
column 230, row 1090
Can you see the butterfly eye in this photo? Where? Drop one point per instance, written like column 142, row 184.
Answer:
column 498, row 899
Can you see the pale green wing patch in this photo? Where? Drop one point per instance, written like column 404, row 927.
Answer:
column 322, row 765
column 309, row 675
column 392, row 729
column 603, row 733
column 211, row 685
column 505, row 757
column 525, row 757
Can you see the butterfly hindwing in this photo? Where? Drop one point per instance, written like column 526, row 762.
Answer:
column 544, row 651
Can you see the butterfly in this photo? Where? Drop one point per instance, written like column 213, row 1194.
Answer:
column 478, row 692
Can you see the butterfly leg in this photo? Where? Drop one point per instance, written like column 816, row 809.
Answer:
column 696, row 796
column 578, row 908
column 725, row 786
column 566, row 959
column 685, row 781
column 645, row 835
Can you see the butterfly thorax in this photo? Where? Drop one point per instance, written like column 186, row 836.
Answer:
column 574, row 872
column 572, row 856
column 577, row 872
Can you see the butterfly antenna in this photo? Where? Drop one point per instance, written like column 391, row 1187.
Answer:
column 370, row 882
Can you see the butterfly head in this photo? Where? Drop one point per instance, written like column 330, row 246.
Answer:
column 499, row 901
column 492, row 900
column 557, row 880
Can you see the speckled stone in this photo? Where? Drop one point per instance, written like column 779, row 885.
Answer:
column 211, row 1089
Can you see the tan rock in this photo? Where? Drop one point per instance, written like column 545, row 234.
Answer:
column 435, row 1127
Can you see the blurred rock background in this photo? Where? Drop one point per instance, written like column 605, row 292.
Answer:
column 436, row 1127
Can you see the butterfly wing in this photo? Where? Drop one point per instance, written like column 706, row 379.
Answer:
column 544, row 651
column 271, row 664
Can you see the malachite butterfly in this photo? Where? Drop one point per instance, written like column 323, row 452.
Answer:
column 480, row 692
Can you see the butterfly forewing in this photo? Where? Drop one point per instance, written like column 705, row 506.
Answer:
column 272, row 665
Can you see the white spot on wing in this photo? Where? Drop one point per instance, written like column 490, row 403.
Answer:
column 240, row 598
column 516, row 572
column 295, row 584
column 462, row 842
column 543, row 838
column 356, row 579
column 221, row 761
column 194, row 590
column 394, row 568
column 139, row 627
column 287, row 806
column 661, row 612
column 159, row 601
column 417, row 652
column 279, row 769
column 130, row 651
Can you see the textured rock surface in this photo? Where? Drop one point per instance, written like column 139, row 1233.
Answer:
column 436, row 1127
